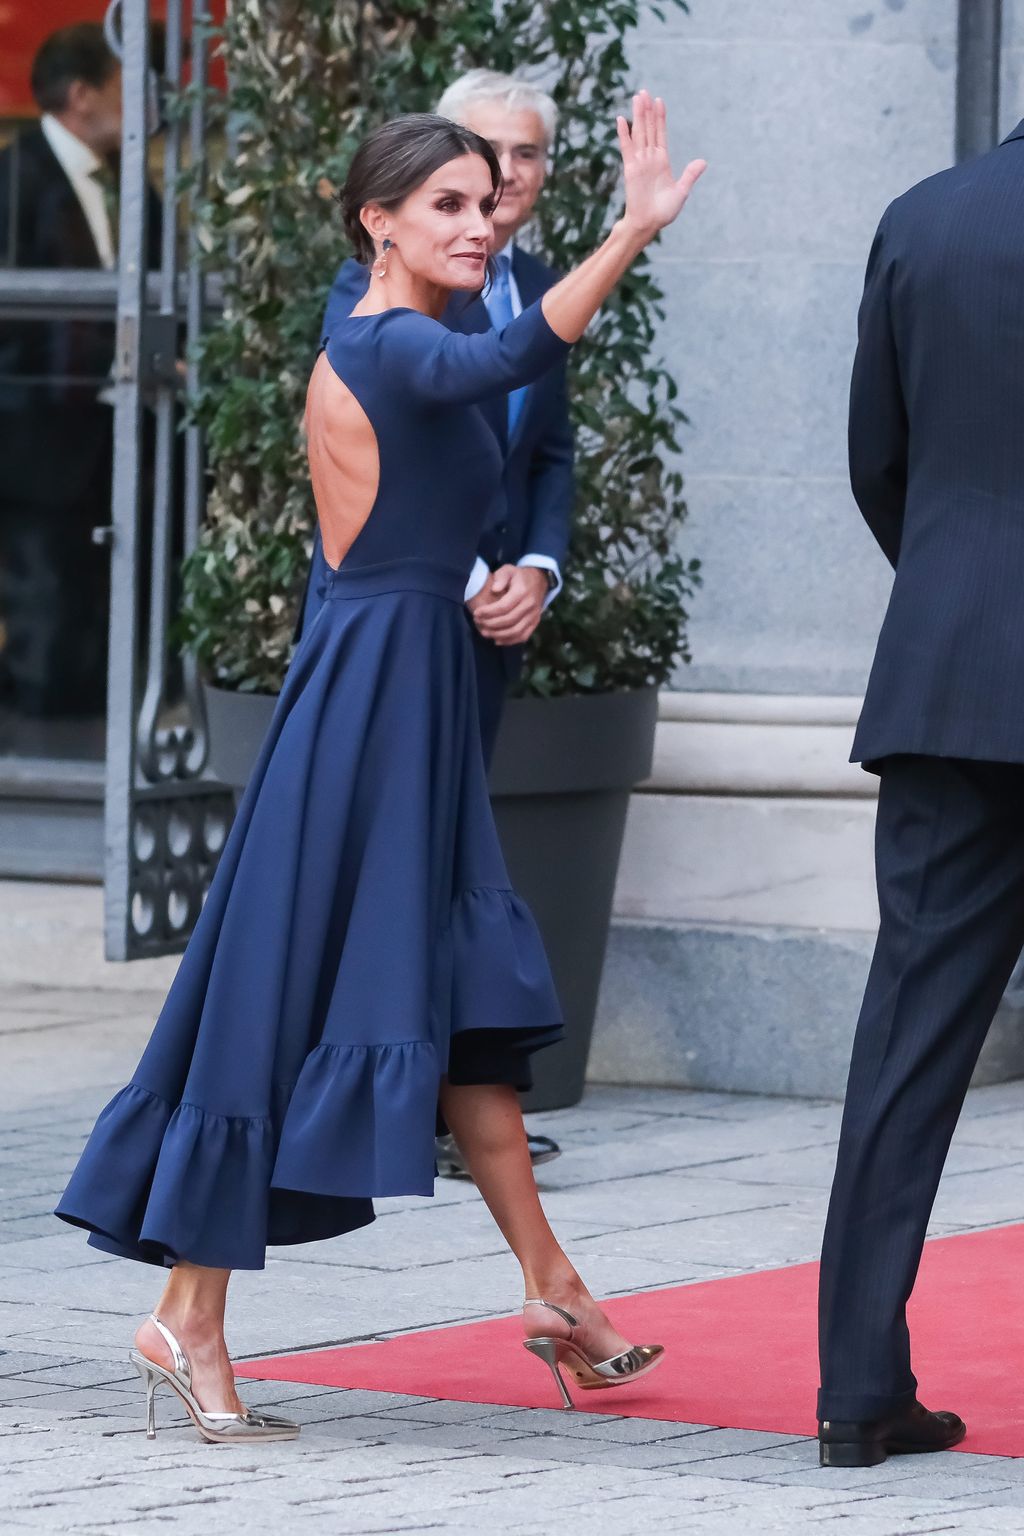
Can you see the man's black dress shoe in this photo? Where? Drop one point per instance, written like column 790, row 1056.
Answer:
column 846, row 1444
column 451, row 1164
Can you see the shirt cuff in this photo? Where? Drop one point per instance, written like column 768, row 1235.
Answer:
column 545, row 563
column 477, row 578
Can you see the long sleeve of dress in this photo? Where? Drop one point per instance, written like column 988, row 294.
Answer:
column 424, row 358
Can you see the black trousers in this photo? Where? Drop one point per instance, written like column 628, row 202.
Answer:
column 55, row 602
column 950, row 865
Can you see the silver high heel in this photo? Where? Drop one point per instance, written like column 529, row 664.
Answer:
column 221, row 1428
column 587, row 1373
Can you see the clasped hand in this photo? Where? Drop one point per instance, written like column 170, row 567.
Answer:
column 508, row 607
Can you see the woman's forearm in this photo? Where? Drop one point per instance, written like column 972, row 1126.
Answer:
column 571, row 304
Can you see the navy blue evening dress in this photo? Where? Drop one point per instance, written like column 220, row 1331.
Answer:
column 360, row 938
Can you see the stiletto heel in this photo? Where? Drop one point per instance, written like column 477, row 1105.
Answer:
column 591, row 1375
column 149, row 1381
column 220, row 1428
column 545, row 1350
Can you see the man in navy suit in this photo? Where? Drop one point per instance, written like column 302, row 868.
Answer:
column 518, row 570
column 937, row 465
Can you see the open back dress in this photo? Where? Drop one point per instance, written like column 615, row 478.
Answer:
column 360, row 939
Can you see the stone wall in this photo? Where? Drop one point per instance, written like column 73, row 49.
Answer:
column 813, row 115
column 745, row 902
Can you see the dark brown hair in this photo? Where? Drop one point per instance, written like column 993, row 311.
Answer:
column 398, row 157
column 78, row 52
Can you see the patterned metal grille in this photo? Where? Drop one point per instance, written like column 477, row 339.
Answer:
column 166, row 823
column 177, row 838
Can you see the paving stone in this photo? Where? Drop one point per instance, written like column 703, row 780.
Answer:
column 761, row 1237
column 86, row 1373
column 438, row 1411
column 14, row 1362
column 70, row 1402
column 51, row 1253
column 15, row 1390
column 594, row 1427
column 655, row 1188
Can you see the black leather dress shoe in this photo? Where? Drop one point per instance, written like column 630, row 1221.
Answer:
column 867, row 1444
column 451, row 1164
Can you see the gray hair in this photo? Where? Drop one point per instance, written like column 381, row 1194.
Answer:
column 479, row 85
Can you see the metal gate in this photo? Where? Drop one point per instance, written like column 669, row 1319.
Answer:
column 165, row 824
column 165, row 820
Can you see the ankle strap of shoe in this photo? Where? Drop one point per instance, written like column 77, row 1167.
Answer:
column 567, row 1317
column 178, row 1355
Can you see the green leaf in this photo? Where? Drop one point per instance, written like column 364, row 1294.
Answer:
column 306, row 82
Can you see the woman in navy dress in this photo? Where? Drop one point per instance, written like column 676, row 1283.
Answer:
column 361, row 959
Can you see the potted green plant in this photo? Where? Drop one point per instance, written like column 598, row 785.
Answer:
column 579, row 735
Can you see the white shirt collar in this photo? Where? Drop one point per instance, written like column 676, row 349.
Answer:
column 76, row 158
column 78, row 162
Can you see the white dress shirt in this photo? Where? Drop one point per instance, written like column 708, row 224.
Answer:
column 480, row 572
column 78, row 162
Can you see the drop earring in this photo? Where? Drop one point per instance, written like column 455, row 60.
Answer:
column 380, row 266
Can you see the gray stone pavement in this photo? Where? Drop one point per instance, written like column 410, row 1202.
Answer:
column 655, row 1188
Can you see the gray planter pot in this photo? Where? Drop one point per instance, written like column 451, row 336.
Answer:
column 237, row 724
column 562, row 775
column 561, row 780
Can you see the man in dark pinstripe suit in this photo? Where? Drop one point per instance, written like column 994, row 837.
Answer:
column 937, row 466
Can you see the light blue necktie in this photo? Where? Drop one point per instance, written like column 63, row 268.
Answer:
column 499, row 307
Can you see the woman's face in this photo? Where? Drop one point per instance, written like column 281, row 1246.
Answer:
column 443, row 232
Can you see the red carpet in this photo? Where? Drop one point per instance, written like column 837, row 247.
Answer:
column 741, row 1352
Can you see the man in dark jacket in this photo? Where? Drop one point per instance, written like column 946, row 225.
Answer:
column 937, row 465
column 518, row 571
column 57, row 210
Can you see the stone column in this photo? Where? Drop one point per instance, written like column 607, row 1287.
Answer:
column 746, row 907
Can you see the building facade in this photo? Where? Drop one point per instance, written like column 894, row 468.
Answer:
column 745, row 905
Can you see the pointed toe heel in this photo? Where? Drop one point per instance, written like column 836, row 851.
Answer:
column 589, row 1375
column 218, row 1428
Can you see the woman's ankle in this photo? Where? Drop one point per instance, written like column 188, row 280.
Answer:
column 194, row 1299
column 190, row 1324
column 560, row 1284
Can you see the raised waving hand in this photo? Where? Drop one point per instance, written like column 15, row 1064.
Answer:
column 654, row 197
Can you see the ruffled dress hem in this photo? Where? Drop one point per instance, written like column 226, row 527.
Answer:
column 358, row 1122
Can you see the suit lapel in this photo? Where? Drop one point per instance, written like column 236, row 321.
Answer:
column 530, row 289
column 66, row 215
column 528, row 279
